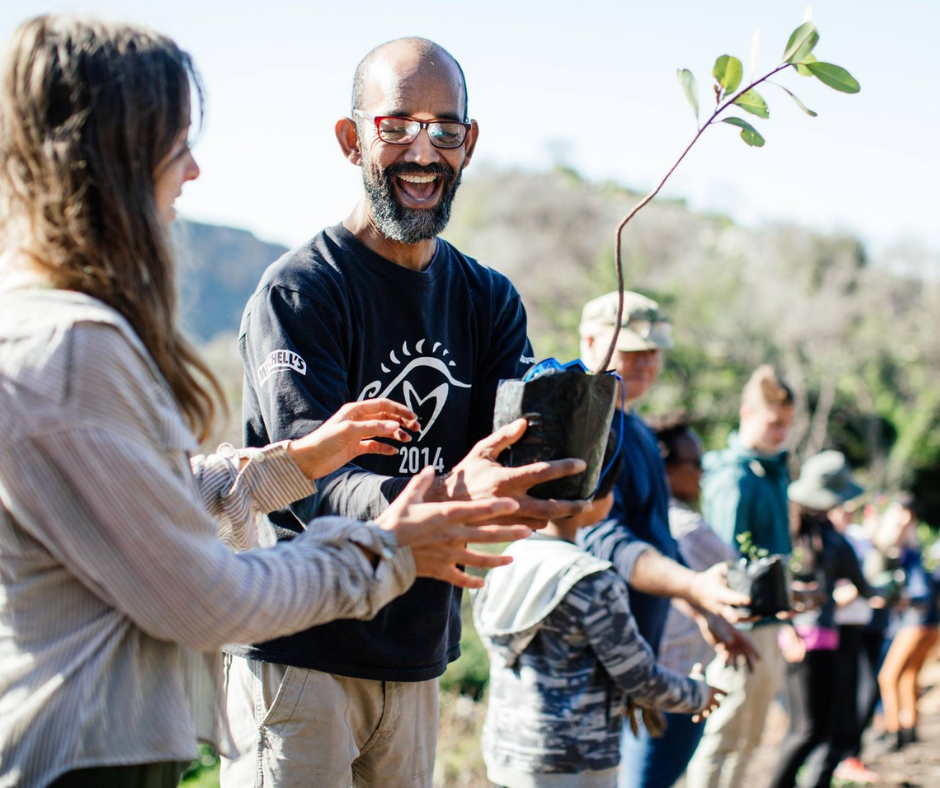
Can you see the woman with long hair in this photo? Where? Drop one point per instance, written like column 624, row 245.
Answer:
column 116, row 592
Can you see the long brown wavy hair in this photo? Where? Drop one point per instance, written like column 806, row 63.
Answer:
column 88, row 112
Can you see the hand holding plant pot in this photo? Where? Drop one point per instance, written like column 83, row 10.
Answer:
column 765, row 578
column 569, row 412
column 479, row 475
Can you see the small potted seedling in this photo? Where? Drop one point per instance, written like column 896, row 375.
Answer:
column 569, row 408
column 763, row 577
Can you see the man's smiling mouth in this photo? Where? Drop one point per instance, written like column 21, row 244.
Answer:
column 418, row 188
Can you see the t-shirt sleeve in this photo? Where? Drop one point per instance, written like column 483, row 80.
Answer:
column 295, row 361
column 613, row 541
column 510, row 355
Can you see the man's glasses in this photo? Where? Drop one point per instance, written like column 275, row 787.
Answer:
column 695, row 462
column 403, row 131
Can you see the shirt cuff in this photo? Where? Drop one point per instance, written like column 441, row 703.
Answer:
column 273, row 478
column 393, row 560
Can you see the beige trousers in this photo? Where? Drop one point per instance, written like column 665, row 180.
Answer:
column 734, row 731
column 298, row 728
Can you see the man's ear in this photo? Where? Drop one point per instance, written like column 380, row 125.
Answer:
column 470, row 143
column 348, row 137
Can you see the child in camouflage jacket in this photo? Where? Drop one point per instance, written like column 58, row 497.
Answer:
column 565, row 656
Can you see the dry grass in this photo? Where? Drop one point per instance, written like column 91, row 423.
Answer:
column 459, row 758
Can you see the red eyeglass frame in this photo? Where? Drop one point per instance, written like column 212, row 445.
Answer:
column 424, row 124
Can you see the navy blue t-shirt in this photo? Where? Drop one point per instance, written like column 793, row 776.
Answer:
column 333, row 322
column 640, row 513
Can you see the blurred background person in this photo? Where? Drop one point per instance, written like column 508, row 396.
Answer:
column 914, row 625
column 822, row 555
column 861, row 633
column 744, row 494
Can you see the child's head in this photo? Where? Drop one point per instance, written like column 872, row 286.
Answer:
column 603, row 498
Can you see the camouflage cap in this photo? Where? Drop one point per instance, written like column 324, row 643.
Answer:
column 643, row 326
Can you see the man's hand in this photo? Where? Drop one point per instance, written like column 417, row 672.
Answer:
column 709, row 591
column 438, row 533
column 479, row 475
column 351, row 432
column 732, row 646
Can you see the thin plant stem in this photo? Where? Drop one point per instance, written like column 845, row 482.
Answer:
column 618, row 259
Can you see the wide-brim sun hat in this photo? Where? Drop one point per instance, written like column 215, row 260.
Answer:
column 825, row 482
column 643, row 326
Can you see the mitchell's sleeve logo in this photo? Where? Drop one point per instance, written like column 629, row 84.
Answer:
column 280, row 359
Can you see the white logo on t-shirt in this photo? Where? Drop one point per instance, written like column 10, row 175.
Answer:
column 281, row 359
column 437, row 359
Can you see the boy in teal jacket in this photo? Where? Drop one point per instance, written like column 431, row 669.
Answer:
column 745, row 492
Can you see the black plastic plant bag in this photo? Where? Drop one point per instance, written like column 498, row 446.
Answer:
column 766, row 581
column 569, row 414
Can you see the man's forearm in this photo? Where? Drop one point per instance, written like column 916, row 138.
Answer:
column 351, row 492
column 654, row 573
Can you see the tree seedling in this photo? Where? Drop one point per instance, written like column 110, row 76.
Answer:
column 728, row 74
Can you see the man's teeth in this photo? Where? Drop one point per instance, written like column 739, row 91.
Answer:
column 418, row 178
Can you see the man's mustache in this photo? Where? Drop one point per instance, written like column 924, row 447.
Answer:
column 410, row 168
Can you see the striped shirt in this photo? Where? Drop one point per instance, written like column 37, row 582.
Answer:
column 682, row 645
column 116, row 593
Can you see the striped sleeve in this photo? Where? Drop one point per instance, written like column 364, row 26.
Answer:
column 702, row 548
column 270, row 480
column 118, row 518
column 614, row 542
column 625, row 655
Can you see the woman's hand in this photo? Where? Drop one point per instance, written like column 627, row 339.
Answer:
column 351, row 432
column 791, row 645
column 438, row 533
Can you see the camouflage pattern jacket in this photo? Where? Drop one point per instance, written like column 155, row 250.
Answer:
column 565, row 655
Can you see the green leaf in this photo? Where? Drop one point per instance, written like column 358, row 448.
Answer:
column 728, row 71
column 801, row 67
column 834, row 76
column 751, row 101
column 748, row 133
column 690, row 86
column 799, row 103
column 801, row 43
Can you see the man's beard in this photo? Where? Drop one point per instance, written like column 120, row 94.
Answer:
column 395, row 221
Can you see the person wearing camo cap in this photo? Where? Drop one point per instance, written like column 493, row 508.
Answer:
column 636, row 537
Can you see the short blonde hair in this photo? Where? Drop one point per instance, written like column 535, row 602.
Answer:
column 765, row 388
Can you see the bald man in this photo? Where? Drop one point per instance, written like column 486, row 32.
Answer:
column 379, row 306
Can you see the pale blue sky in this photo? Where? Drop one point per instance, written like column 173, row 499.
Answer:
column 599, row 76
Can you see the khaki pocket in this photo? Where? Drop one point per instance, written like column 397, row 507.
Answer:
column 277, row 690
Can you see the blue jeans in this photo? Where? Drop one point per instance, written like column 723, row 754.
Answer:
column 658, row 763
